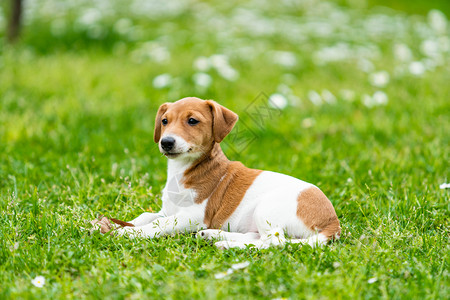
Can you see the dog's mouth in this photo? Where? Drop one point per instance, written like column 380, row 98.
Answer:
column 176, row 154
column 172, row 155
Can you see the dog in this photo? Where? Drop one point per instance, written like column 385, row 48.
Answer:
column 224, row 200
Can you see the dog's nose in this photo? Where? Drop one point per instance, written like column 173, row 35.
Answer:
column 167, row 143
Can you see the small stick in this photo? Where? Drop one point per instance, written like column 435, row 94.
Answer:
column 121, row 223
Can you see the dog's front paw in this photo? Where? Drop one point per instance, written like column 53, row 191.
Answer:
column 209, row 234
column 222, row 245
column 129, row 232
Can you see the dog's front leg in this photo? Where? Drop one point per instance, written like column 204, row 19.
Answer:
column 146, row 218
column 179, row 223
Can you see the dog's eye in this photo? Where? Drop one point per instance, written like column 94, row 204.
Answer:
column 164, row 121
column 192, row 121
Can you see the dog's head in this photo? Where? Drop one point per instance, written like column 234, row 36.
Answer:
column 189, row 127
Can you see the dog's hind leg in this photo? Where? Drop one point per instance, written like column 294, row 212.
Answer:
column 241, row 245
column 272, row 238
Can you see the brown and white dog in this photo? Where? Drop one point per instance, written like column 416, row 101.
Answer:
column 238, row 205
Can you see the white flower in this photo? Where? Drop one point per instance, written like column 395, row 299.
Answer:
column 219, row 61
column 222, row 66
column 284, row 89
column 90, row 17
column 328, row 97
column 223, row 274
column 336, row 265
column 315, row 98
column 241, row 265
column 347, row 95
column 402, row 52
column 334, row 53
column 162, row 81
column 159, row 53
column 202, row 63
column 284, row 58
column 380, row 98
column 372, row 280
column 365, row 65
column 430, row 47
column 151, row 50
column 379, row 79
column 278, row 101
column 444, row 186
column 123, row 26
column 39, row 281
column 437, row 20
column 228, row 73
column 377, row 99
column 367, row 100
column 202, row 80
column 308, row 122
column 416, row 68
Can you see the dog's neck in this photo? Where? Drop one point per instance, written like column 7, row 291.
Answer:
column 175, row 167
column 205, row 174
column 210, row 159
column 202, row 174
column 213, row 159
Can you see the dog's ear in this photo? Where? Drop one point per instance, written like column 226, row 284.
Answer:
column 162, row 109
column 223, row 120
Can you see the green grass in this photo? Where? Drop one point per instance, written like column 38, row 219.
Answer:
column 76, row 140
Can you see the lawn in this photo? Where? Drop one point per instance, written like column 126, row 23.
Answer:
column 361, row 96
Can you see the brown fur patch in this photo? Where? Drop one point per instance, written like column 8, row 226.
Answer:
column 317, row 212
column 223, row 182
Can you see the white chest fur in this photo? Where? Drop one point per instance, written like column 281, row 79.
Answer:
column 175, row 195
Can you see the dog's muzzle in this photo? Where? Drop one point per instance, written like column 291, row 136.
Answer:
column 167, row 143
